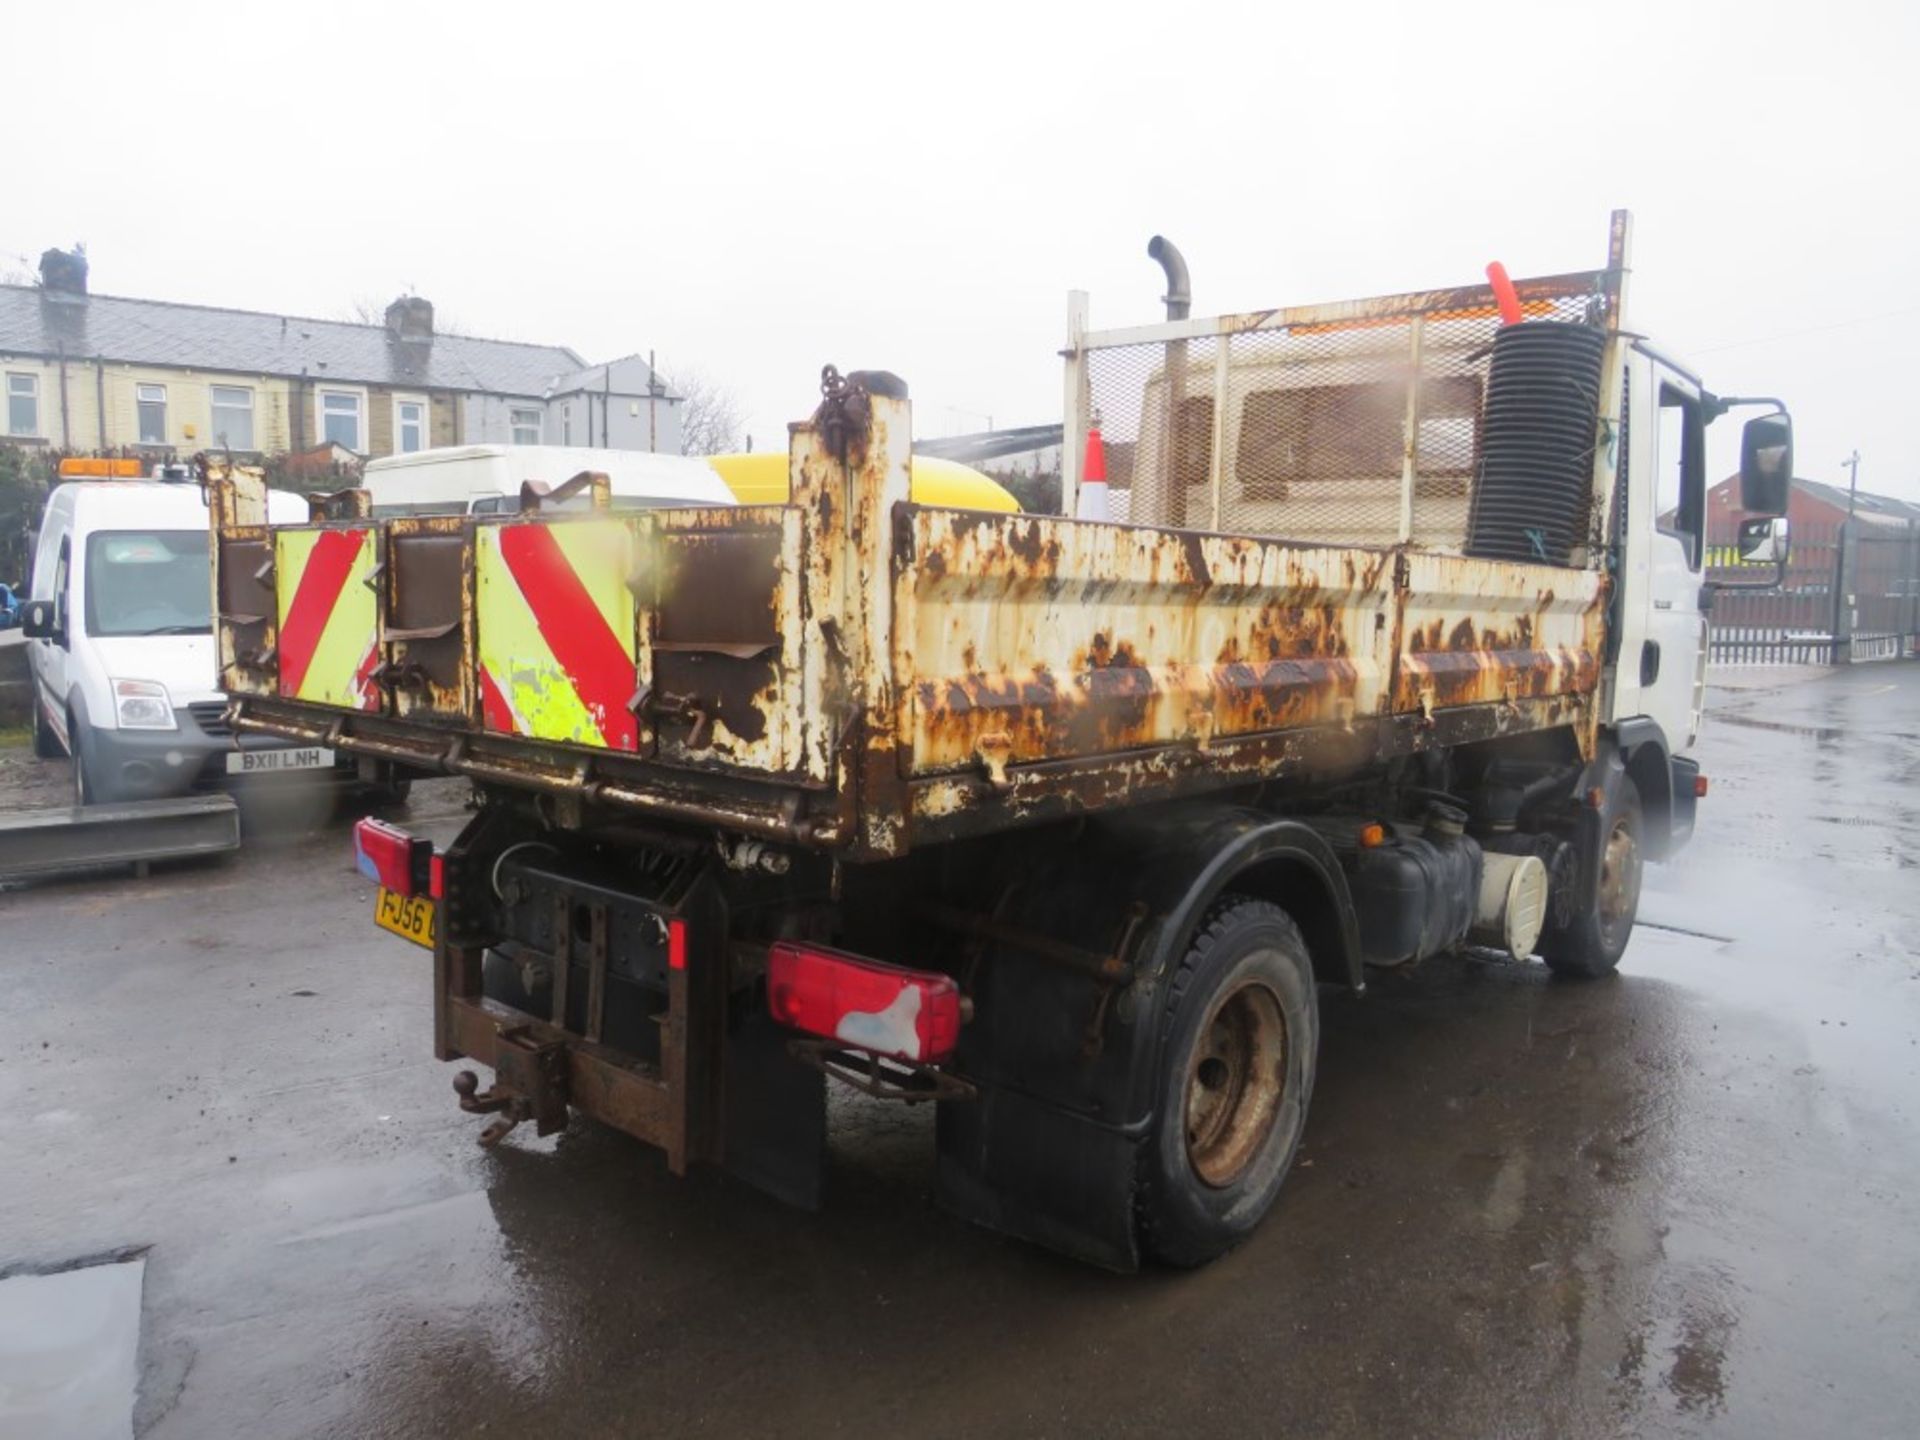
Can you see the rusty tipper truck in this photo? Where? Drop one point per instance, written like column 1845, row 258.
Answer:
column 1058, row 824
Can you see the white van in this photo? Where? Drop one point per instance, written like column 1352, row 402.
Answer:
column 485, row 479
column 120, row 644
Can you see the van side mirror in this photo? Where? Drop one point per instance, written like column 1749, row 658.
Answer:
column 1766, row 464
column 40, row 620
column 1763, row 542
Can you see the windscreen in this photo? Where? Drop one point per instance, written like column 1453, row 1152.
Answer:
column 149, row 582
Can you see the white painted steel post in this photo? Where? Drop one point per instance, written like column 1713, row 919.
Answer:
column 1607, row 458
column 1221, row 379
column 1410, row 456
column 1073, row 437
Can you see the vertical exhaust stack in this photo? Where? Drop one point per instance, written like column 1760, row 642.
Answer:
column 1159, row 489
column 1179, row 296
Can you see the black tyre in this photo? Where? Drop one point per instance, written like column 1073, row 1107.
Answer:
column 392, row 792
column 1591, row 944
column 1242, row 1035
column 388, row 789
column 46, row 744
column 83, row 785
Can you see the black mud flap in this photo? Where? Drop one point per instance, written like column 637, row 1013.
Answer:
column 1036, row 1172
column 1686, row 801
column 776, row 1135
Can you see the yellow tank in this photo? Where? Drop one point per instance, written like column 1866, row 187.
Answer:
column 762, row 480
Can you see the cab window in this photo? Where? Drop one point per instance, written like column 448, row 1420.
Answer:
column 1680, row 471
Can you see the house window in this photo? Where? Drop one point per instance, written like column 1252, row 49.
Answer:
column 23, row 404
column 566, row 424
column 526, row 426
column 410, row 426
column 232, row 416
column 152, row 401
column 340, row 419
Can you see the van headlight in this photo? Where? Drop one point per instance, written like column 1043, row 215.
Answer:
column 143, row 705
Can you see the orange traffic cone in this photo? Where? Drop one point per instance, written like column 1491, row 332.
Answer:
column 1093, row 477
column 1504, row 295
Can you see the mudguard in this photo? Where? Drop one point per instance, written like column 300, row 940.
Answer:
column 1066, row 1062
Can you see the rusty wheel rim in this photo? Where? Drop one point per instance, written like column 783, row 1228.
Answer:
column 1235, row 1083
column 1619, row 877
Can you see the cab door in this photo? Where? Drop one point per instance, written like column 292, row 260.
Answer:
column 50, row 660
column 1670, row 664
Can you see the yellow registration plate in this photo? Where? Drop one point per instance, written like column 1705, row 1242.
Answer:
column 410, row 919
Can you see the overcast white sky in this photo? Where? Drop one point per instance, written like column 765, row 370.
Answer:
column 915, row 187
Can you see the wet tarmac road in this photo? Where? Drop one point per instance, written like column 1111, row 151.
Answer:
column 1681, row 1202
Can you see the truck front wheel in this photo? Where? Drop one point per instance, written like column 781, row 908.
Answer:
column 1237, row 1061
column 1591, row 944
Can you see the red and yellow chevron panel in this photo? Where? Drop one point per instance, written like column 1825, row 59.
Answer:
column 329, row 620
column 555, row 627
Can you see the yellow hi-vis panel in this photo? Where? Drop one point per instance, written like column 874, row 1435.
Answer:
column 555, row 626
column 762, row 479
column 329, row 616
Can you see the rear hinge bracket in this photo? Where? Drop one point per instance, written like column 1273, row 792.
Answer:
column 653, row 707
column 407, row 675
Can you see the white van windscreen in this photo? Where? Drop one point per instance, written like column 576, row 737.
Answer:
column 148, row 582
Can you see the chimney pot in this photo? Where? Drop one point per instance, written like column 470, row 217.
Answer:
column 410, row 318
column 64, row 271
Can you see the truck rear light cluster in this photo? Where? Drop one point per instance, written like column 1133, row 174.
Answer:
column 863, row 1004
column 394, row 859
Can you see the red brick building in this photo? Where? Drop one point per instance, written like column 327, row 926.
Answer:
column 1814, row 509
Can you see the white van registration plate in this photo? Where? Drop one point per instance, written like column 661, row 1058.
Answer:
column 261, row 762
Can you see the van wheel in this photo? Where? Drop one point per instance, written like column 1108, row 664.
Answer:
column 1241, row 1039
column 391, row 789
column 1591, row 944
column 390, row 794
column 46, row 744
column 84, row 790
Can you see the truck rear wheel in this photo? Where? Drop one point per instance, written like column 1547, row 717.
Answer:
column 1591, row 944
column 1237, row 1062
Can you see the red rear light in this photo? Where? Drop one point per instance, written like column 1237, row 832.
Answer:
column 392, row 858
column 676, row 944
column 437, row 877
column 863, row 1004
column 1699, row 787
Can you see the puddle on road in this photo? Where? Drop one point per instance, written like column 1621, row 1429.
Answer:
column 69, row 1343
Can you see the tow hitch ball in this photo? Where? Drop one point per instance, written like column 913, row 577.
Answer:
column 511, row 1109
column 530, row 1083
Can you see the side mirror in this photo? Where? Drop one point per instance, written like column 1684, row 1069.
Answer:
column 1766, row 464
column 40, row 620
column 1763, row 542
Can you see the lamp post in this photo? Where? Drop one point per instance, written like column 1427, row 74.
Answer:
column 1844, row 560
